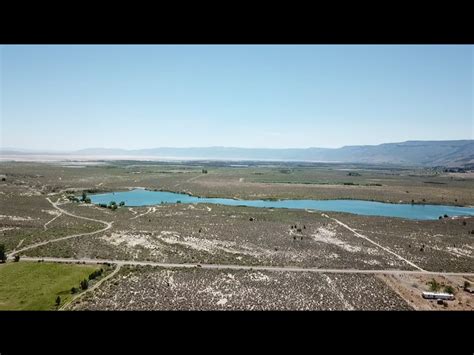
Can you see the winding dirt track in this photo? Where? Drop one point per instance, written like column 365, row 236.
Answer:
column 108, row 225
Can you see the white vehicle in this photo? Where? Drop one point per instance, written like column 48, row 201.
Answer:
column 438, row 296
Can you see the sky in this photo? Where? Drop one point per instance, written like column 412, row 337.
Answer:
column 256, row 96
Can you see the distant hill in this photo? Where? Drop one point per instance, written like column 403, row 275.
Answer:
column 426, row 153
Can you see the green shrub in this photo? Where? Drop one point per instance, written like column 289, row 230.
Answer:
column 434, row 285
column 449, row 289
column 84, row 284
column 3, row 255
column 95, row 274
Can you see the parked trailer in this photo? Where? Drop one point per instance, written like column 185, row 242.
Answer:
column 438, row 296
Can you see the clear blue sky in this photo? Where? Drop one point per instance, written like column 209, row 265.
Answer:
column 73, row 97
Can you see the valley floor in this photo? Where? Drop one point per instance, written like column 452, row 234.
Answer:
column 368, row 262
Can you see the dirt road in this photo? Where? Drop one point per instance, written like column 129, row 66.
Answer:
column 374, row 243
column 108, row 225
column 246, row 267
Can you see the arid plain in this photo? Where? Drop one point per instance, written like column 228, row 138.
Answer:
column 208, row 256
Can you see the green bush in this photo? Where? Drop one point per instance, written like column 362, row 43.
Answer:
column 84, row 284
column 3, row 255
column 95, row 274
column 449, row 289
column 434, row 285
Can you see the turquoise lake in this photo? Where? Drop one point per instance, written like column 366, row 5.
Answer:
column 140, row 197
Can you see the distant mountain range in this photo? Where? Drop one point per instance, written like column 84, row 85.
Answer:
column 425, row 153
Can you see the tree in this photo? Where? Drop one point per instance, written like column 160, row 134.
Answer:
column 87, row 200
column 434, row 285
column 84, row 196
column 3, row 255
column 58, row 301
column 74, row 290
column 17, row 258
column 122, row 203
column 84, row 284
column 467, row 284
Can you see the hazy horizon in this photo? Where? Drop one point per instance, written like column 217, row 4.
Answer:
column 227, row 147
column 68, row 98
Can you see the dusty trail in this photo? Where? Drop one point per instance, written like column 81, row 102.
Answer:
column 190, row 179
column 150, row 209
column 374, row 243
column 108, row 225
column 46, row 224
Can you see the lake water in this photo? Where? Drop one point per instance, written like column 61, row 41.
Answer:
column 140, row 197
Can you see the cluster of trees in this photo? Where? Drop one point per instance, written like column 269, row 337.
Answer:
column 85, row 198
column 96, row 274
column 436, row 286
column 72, row 198
column 84, row 285
column 112, row 205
